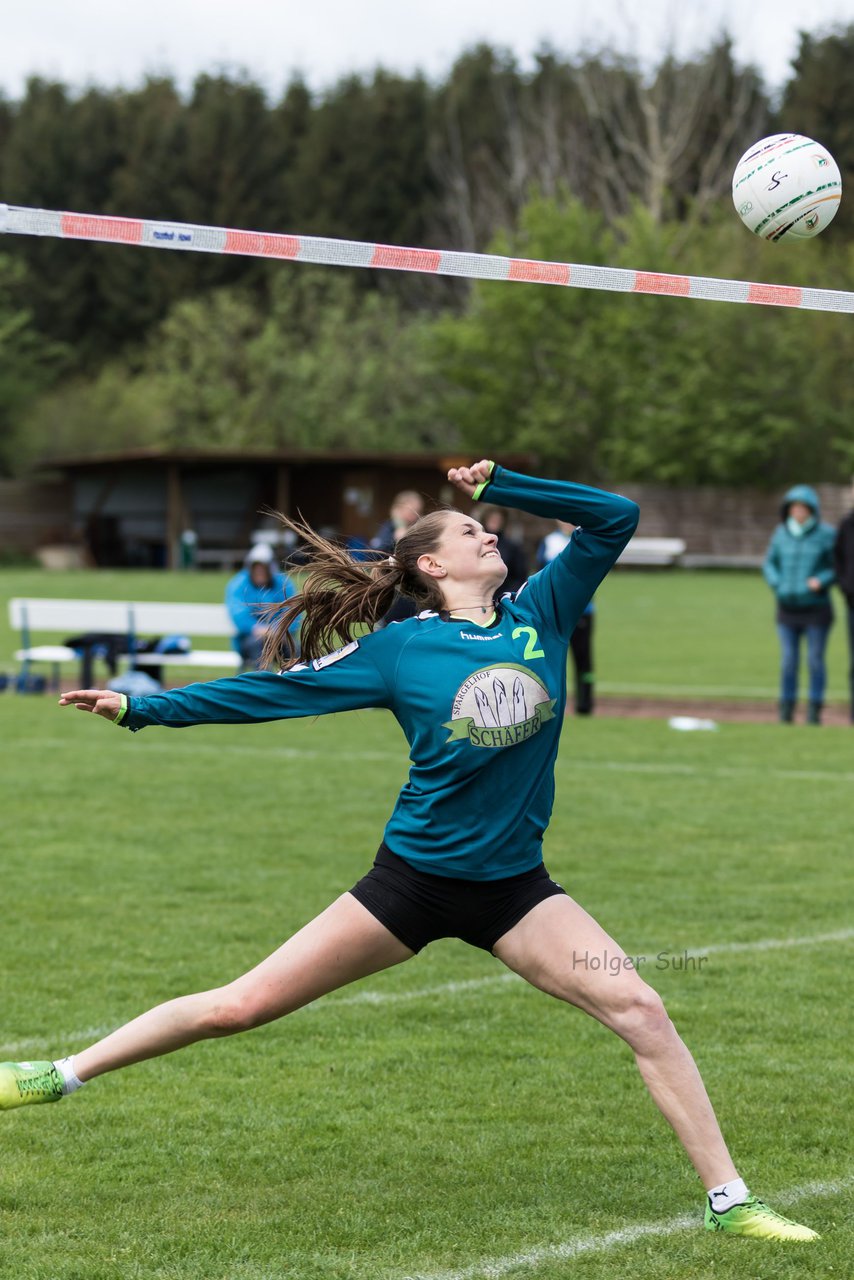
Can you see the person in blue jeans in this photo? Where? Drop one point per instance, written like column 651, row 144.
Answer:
column 799, row 570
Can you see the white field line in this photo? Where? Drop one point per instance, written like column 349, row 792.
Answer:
column 39, row 1046
column 437, row 990
column 419, row 993
column 704, row 771
column 271, row 752
column 774, row 944
column 571, row 761
column 502, row 979
column 575, row 1246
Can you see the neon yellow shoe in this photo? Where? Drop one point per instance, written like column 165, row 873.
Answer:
column 753, row 1218
column 24, row 1083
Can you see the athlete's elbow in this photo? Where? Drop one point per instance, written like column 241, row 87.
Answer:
column 628, row 515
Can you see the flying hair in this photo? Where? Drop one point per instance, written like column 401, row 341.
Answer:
column 342, row 596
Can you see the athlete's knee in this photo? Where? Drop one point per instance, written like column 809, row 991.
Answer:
column 230, row 1011
column 640, row 1017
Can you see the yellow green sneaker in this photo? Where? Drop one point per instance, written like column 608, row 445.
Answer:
column 753, row 1218
column 23, row 1083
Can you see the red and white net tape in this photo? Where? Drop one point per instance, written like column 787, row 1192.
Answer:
column 356, row 253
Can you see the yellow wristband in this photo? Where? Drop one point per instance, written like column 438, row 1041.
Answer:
column 122, row 709
column 480, row 488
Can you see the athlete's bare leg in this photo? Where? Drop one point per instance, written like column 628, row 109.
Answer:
column 342, row 944
column 552, row 947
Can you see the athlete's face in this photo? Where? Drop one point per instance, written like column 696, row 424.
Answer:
column 467, row 557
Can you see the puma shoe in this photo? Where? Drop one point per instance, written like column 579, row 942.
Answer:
column 753, row 1218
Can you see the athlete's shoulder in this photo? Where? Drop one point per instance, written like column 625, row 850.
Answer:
column 403, row 629
column 515, row 603
column 393, row 637
column 532, row 603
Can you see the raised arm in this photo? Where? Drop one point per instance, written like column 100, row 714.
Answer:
column 605, row 523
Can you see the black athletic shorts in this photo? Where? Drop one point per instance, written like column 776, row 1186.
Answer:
column 418, row 907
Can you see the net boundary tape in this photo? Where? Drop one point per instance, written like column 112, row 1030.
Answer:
column 185, row 236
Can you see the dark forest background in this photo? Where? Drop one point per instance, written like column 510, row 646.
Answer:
column 587, row 160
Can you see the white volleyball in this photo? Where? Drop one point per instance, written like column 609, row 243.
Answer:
column 786, row 187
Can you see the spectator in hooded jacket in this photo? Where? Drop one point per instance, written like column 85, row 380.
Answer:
column 799, row 570
column 843, row 560
column 251, row 595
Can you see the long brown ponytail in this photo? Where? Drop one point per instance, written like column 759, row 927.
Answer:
column 341, row 595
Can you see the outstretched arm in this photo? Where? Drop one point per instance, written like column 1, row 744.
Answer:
column 341, row 681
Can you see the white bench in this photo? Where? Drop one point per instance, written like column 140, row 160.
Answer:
column 127, row 619
column 653, row 552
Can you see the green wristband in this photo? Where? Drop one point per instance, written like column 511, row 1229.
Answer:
column 480, row 488
column 122, row 709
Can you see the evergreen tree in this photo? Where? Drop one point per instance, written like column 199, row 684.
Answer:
column 818, row 101
column 28, row 364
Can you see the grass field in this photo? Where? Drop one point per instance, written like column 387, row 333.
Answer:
column 441, row 1120
column 702, row 634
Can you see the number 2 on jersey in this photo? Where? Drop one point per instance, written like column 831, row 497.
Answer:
column 531, row 648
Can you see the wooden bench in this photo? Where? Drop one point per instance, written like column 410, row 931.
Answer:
column 128, row 620
column 653, row 552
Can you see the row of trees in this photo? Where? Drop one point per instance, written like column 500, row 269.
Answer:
column 586, row 161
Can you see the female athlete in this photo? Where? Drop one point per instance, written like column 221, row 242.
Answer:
column 478, row 684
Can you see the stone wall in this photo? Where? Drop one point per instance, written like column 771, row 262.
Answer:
column 726, row 523
column 728, row 527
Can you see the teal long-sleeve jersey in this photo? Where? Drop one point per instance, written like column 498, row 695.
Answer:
column 481, row 706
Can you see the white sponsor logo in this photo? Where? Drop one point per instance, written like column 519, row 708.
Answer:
column 500, row 706
column 328, row 658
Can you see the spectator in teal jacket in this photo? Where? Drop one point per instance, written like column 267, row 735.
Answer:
column 799, row 570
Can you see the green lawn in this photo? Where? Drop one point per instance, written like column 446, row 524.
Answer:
column 658, row 633
column 442, row 1119
column 703, row 634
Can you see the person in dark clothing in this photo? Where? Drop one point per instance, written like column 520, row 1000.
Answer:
column 406, row 509
column 843, row 562
column 581, row 640
column 581, row 647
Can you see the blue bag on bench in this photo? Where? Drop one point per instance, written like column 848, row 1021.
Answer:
column 136, row 684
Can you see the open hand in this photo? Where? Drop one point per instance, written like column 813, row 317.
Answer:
column 103, row 702
column 468, row 478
